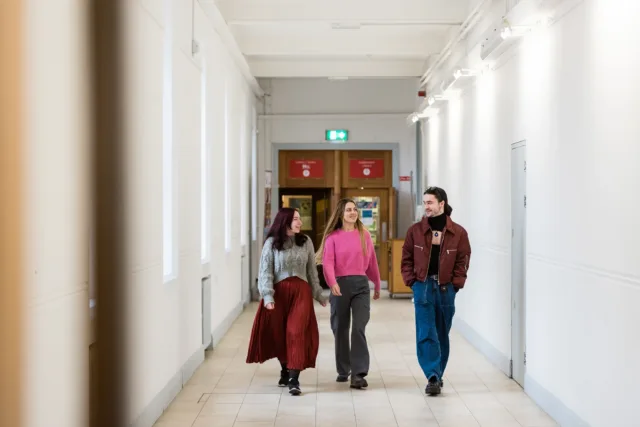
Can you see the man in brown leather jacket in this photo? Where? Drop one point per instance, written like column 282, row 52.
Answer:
column 435, row 260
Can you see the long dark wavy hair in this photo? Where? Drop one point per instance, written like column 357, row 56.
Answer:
column 281, row 224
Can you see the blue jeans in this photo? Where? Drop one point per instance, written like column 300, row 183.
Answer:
column 435, row 307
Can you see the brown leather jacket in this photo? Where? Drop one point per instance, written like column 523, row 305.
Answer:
column 455, row 252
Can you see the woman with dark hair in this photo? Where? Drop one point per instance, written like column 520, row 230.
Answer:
column 349, row 262
column 285, row 325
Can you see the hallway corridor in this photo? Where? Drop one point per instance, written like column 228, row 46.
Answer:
column 226, row 392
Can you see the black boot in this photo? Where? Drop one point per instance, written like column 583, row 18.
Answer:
column 433, row 388
column 284, row 375
column 294, row 384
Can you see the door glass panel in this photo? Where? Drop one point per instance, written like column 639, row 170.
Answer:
column 369, row 209
column 322, row 217
column 304, row 205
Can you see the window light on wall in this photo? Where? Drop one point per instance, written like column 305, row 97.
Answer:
column 205, row 174
column 227, row 172
column 244, row 177
column 169, row 258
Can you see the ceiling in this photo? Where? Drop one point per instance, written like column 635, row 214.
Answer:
column 341, row 38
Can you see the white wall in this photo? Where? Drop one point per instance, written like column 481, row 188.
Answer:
column 164, row 327
column 57, row 339
column 298, row 111
column 570, row 91
column 166, row 315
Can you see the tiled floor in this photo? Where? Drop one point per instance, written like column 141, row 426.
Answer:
column 226, row 392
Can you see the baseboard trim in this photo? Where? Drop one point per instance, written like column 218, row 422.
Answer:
column 161, row 402
column 483, row 346
column 551, row 404
column 223, row 327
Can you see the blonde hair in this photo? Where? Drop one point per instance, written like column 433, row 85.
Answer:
column 335, row 223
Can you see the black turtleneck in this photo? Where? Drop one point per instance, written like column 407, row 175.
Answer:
column 437, row 224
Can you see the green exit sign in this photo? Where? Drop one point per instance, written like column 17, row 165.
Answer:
column 336, row 135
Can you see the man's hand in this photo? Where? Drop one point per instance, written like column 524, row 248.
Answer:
column 270, row 306
column 335, row 290
column 376, row 294
column 323, row 303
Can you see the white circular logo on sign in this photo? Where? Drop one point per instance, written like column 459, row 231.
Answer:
column 306, row 173
column 366, row 171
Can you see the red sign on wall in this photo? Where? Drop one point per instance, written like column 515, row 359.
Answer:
column 366, row 168
column 306, row 168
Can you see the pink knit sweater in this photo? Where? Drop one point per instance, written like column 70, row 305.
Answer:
column 343, row 257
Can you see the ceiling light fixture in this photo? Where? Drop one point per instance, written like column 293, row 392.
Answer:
column 344, row 26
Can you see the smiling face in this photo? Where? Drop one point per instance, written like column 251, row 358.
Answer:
column 350, row 214
column 296, row 223
column 432, row 207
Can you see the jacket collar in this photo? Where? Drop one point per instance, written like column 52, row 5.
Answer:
column 424, row 224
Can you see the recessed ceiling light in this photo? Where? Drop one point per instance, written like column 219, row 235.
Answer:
column 344, row 26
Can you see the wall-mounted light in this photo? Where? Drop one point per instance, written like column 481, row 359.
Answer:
column 519, row 31
column 465, row 72
column 433, row 98
column 412, row 118
column 520, row 20
column 428, row 112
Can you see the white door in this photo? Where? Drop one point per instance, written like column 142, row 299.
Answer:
column 518, row 260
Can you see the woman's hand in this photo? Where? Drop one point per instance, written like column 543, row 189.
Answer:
column 335, row 290
column 270, row 306
column 376, row 294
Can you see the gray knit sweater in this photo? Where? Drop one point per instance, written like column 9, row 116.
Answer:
column 291, row 261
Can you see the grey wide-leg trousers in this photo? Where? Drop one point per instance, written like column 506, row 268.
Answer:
column 355, row 301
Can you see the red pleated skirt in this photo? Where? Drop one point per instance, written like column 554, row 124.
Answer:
column 289, row 332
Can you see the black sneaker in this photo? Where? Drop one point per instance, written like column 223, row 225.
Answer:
column 358, row 382
column 342, row 378
column 284, row 378
column 294, row 387
column 433, row 388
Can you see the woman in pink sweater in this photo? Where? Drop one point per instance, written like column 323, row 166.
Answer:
column 349, row 262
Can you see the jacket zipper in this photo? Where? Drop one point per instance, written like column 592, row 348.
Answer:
column 426, row 277
column 444, row 233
